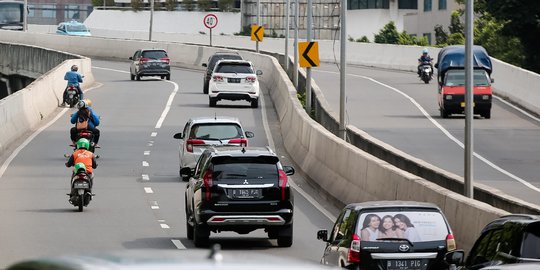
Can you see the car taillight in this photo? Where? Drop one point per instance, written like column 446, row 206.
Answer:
column 143, row 60
column 450, row 242
column 251, row 79
column 191, row 142
column 217, row 78
column 207, row 180
column 354, row 250
column 240, row 141
column 166, row 59
column 282, row 183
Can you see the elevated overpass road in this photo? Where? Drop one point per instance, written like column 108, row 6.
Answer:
column 399, row 109
column 139, row 200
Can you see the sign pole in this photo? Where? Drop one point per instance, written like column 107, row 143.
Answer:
column 308, row 69
column 296, row 19
column 25, row 16
column 210, row 37
column 468, row 174
column 151, row 19
column 210, row 21
column 287, row 17
column 342, row 69
column 258, row 22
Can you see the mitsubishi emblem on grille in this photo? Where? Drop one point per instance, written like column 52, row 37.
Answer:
column 246, row 182
column 404, row 248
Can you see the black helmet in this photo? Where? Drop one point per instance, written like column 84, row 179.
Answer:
column 74, row 68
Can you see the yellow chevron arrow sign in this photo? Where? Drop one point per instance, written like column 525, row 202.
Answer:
column 309, row 54
column 257, row 32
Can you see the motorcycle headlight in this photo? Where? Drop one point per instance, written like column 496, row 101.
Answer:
column 448, row 97
column 485, row 97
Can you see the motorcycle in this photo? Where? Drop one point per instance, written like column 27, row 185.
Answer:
column 426, row 72
column 81, row 190
column 87, row 134
column 72, row 96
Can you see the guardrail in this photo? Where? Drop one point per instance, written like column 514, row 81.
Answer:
column 339, row 168
column 25, row 109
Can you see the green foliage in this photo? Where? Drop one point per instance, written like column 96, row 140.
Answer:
column 388, row 34
column 225, row 5
column 99, row 3
column 441, row 37
column 456, row 26
column 246, row 31
column 170, row 5
column 406, row 39
column 363, row 39
column 136, row 5
column 189, row 5
column 350, row 38
column 204, row 5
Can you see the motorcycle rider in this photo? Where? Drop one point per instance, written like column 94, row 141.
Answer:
column 83, row 159
column 84, row 118
column 74, row 78
column 424, row 58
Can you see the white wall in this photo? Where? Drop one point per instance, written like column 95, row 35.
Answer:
column 422, row 22
column 368, row 22
column 164, row 21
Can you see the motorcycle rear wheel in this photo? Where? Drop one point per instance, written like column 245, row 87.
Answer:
column 81, row 203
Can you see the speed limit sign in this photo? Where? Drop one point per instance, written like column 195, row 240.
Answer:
column 210, row 21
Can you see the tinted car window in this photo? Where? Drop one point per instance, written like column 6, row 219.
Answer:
column 262, row 168
column 531, row 244
column 215, row 131
column 154, row 54
column 77, row 28
column 416, row 226
column 216, row 58
column 234, row 68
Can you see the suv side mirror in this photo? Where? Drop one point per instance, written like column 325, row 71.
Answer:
column 455, row 257
column 259, row 72
column 204, row 65
column 186, row 172
column 322, row 235
column 436, row 65
column 289, row 170
column 249, row 134
column 131, row 58
column 178, row 136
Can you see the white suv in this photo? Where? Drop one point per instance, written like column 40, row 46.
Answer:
column 234, row 80
column 201, row 132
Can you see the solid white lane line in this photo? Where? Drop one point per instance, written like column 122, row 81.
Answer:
column 154, row 134
column 446, row 132
column 164, row 226
column 168, row 106
column 146, row 153
column 178, row 244
column 145, row 177
column 154, row 207
column 518, row 109
column 110, row 69
column 145, row 164
column 29, row 139
column 308, row 197
column 148, row 190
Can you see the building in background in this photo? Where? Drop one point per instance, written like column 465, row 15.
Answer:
column 429, row 14
column 52, row 12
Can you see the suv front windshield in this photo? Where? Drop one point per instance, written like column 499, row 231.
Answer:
column 414, row 225
column 222, row 131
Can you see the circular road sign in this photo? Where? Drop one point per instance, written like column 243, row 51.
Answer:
column 210, row 21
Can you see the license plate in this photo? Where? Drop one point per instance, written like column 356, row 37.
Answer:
column 463, row 104
column 233, row 80
column 81, row 185
column 404, row 264
column 245, row 193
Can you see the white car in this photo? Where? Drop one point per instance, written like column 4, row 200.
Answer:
column 234, row 80
column 201, row 132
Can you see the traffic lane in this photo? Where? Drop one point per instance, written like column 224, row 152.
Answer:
column 42, row 222
column 168, row 190
column 440, row 151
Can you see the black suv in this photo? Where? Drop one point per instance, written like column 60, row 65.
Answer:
column 241, row 190
column 150, row 62
column 506, row 240
column 212, row 60
column 389, row 235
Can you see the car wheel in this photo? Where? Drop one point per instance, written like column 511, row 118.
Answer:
column 201, row 235
column 138, row 77
column 255, row 103
column 212, row 102
column 189, row 228
column 162, row 77
column 168, row 77
column 273, row 233
column 205, row 88
column 285, row 236
column 444, row 113
column 132, row 77
column 487, row 114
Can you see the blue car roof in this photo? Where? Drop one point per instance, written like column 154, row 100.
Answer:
column 452, row 57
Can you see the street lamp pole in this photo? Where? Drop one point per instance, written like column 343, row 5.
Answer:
column 342, row 69
column 308, row 69
column 151, row 19
column 258, row 22
column 25, row 16
column 468, row 174
column 296, row 19
column 287, row 19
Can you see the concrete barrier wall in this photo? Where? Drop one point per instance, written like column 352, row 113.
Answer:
column 26, row 108
column 341, row 169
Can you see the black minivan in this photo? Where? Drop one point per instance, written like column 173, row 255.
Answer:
column 389, row 235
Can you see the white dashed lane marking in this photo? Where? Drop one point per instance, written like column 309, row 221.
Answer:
column 154, row 134
column 148, row 190
column 146, row 153
column 145, row 177
column 178, row 244
column 145, row 164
